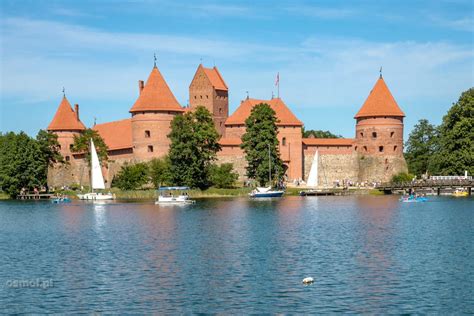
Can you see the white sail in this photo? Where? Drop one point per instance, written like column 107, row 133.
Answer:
column 313, row 172
column 97, row 180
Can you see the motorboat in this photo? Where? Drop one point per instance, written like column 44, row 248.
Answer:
column 266, row 192
column 60, row 199
column 97, row 180
column 413, row 199
column 166, row 196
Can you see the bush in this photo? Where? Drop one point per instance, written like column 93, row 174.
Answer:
column 223, row 176
column 132, row 177
column 402, row 177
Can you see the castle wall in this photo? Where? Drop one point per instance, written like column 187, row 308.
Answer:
column 379, row 168
column 333, row 166
column 236, row 156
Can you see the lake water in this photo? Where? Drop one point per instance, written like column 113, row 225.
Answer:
column 367, row 254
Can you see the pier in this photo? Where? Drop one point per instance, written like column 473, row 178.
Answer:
column 436, row 186
column 33, row 196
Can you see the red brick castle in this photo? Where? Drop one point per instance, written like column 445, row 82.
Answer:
column 375, row 154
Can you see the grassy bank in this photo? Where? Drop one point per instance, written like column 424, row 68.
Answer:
column 195, row 193
column 4, row 196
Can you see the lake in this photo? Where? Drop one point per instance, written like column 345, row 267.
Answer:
column 367, row 254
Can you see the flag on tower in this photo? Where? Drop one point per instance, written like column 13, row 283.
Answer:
column 277, row 82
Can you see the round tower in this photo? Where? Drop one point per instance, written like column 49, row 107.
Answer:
column 152, row 114
column 66, row 124
column 379, row 135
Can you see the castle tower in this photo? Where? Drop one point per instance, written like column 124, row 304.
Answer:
column 379, row 133
column 152, row 114
column 66, row 124
column 209, row 90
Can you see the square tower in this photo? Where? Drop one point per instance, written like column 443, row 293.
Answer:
column 209, row 89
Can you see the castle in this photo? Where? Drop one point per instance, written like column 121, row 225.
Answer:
column 374, row 155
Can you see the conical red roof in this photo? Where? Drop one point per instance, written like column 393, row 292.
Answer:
column 65, row 119
column 283, row 113
column 380, row 102
column 156, row 95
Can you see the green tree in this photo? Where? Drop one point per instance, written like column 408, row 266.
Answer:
column 160, row 171
column 455, row 152
column 82, row 145
column 194, row 144
column 318, row 134
column 223, row 176
column 260, row 144
column 22, row 163
column 131, row 177
column 49, row 145
column 420, row 147
column 402, row 177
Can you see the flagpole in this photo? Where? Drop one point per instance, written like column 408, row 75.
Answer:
column 278, row 85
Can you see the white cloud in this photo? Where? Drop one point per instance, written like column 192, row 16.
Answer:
column 322, row 12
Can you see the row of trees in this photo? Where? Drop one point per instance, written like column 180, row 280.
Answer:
column 24, row 160
column 447, row 149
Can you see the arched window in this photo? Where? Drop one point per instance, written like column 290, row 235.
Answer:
column 283, row 141
column 147, row 134
column 374, row 134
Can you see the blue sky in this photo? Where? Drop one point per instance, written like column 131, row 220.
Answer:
column 328, row 54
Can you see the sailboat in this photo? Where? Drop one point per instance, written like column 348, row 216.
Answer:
column 97, row 179
column 267, row 192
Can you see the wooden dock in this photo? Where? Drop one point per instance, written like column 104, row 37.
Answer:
column 436, row 186
column 33, row 196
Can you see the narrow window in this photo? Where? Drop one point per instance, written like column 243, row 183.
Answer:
column 374, row 134
column 70, row 146
column 361, row 134
column 365, row 148
column 381, row 149
column 207, row 97
column 386, row 160
column 201, row 96
column 220, row 110
column 355, row 148
column 147, row 134
column 150, row 148
column 59, row 147
column 283, row 141
column 392, row 133
column 68, row 158
column 195, row 97
column 394, row 148
column 220, row 123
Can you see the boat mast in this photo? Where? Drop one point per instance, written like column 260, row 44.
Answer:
column 90, row 153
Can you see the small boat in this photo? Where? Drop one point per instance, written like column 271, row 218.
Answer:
column 413, row 199
column 266, row 192
column 59, row 200
column 97, row 180
column 166, row 196
column 460, row 192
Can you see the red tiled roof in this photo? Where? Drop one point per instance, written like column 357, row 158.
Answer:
column 230, row 141
column 156, row 95
column 328, row 141
column 117, row 134
column 215, row 78
column 65, row 119
column 283, row 113
column 380, row 102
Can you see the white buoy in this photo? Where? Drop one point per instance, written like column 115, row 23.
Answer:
column 308, row 280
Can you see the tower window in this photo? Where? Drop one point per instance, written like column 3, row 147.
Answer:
column 392, row 133
column 394, row 148
column 365, row 148
column 355, row 148
column 147, row 134
column 59, row 147
column 68, row 158
column 283, row 141
column 195, row 97
column 201, row 96
column 381, row 149
column 220, row 110
column 386, row 160
column 70, row 146
column 361, row 134
column 220, row 123
column 150, row 148
column 207, row 97
column 374, row 134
